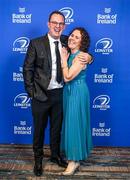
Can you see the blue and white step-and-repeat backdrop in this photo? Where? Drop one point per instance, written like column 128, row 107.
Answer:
column 108, row 78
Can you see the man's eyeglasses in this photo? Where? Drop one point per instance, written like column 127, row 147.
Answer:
column 61, row 24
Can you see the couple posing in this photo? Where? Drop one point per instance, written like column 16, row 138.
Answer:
column 55, row 78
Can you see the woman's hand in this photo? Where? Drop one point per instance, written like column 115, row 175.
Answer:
column 64, row 54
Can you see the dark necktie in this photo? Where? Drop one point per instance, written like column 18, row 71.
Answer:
column 58, row 63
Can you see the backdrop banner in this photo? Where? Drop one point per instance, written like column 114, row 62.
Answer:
column 108, row 77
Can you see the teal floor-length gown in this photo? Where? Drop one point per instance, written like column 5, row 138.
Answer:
column 76, row 140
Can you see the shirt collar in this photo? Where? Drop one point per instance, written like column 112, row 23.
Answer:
column 52, row 40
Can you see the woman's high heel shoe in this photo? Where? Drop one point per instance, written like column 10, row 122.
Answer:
column 71, row 168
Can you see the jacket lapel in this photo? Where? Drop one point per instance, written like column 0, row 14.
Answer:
column 63, row 40
column 48, row 51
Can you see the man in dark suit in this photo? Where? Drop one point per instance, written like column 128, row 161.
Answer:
column 44, row 84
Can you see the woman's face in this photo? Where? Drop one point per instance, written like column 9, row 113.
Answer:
column 74, row 40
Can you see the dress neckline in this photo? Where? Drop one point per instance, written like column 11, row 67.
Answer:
column 74, row 54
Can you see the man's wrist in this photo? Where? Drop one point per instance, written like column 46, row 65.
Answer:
column 90, row 62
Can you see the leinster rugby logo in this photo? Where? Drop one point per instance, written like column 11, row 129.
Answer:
column 101, row 102
column 68, row 13
column 22, row 101
column 104, row 46
column 21, row 44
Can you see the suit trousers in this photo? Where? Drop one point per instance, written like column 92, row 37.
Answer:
column 52, row 108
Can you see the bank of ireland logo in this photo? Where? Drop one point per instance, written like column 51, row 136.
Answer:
column 101, row 124
column 22, row 9
column 104, row 46
column 101, row 131
column 68, row 13
column 107, row 17
column 18, row 75
column 21, row 44
column 21, row 17
column 101, row 102
column 22, row 101
column 22, row 128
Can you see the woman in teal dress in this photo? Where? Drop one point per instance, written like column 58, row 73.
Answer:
column 76, row 140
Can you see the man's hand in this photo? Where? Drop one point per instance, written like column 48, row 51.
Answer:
column 84, row 58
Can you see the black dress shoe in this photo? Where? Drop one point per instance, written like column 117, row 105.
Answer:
column 37, row 169
column 59, row 161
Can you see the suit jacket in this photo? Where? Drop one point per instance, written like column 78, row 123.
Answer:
column 38, row 67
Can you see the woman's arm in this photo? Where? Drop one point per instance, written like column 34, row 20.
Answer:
column 74, row 70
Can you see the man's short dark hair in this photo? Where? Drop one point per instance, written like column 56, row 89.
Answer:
column 56, row 12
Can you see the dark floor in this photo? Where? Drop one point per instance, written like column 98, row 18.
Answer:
column 16, row 162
